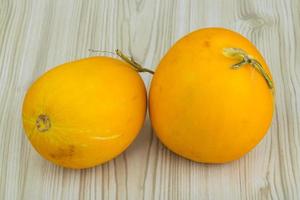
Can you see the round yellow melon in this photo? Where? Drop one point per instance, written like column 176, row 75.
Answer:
column 211, row 97
column 83, row 113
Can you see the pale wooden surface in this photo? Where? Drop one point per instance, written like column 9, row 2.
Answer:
column 36, row 35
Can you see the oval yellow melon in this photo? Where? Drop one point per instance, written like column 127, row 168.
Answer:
column 203, row 108
column 86, row 112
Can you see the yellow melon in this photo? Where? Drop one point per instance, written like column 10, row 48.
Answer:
column 85, row 112
column 211, row 97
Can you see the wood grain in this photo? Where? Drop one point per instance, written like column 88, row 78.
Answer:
column 37, row 35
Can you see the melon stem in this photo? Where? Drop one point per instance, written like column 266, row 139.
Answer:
column 130, row 60
column 244, row 58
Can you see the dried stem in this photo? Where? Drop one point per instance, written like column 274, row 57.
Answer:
column 43, row 123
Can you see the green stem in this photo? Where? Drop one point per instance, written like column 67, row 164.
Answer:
column 244, row 58
column 136, row 66
column 132, row 62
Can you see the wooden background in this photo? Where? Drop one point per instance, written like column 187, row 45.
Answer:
column 36, row 35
